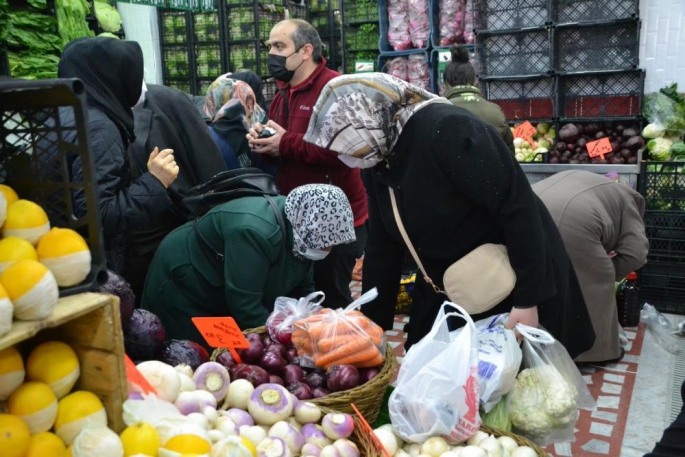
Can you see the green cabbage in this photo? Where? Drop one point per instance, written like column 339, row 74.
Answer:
column 678, row 150
column 659, row 149
column 653, row 131
column 108, row 17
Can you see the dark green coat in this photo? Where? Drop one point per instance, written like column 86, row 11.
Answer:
column 185, row 282
column 470, row 98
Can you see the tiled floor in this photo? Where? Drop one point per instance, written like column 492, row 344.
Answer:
column 633, row 398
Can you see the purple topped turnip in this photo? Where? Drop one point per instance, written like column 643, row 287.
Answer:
column 213, row 378
column 270, row 403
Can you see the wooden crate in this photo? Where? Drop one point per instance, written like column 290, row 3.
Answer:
column 91, row 324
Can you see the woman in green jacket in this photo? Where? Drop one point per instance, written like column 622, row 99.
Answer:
column 460, row 80
column 260, row 262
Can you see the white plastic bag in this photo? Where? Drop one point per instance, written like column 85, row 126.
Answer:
column 287, row 311
column 549, row 391
column 437, row 387
column 662, row 329
column 499, row 359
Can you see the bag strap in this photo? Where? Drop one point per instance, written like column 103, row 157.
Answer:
column 219, row 256
column 409, row 244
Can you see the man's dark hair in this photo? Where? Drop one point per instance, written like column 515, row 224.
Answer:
column 304, row 34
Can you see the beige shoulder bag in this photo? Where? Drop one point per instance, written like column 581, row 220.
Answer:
column 477, row 282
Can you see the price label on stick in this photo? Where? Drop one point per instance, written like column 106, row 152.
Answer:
column 222, row 332
column 136, row 377
column 599, row 147
column 526, row 131
column 368, row 428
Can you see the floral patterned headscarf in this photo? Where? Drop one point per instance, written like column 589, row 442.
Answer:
column 229, row 98
column 361, row 116
column 321, row 217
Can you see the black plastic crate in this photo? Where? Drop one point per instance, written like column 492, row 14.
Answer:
column 527, row 98
column 35, row 159
column 208, row 61
column 295, row 11
column 574, row 11
column 597, row 47
column 663, row 286
column 183, row 86
column 252, row 22
column 510, row 14
column 206, row 27
column 663, row 186
column 523, row 53
column 359, row 12
column 362, row 38
column 249, row 56
column 269, row 89
column 176, row 62
column 601, row 94
column 174, row 27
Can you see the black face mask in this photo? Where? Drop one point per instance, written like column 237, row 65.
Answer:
column 277, row 68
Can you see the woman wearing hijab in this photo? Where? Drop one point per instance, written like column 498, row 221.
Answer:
column 458, row 187
column 230, row 104
column 112, row 74
column 260, row 262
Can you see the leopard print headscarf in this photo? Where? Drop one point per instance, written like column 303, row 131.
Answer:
column 321, row 217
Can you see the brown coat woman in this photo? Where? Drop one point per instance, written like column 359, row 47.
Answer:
column 601, row 224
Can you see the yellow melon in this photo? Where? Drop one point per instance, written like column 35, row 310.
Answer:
column 14, row 436
column 56, row 364
column 32, row 289
column 66, row 254
column 13, row 249
column 26, row 220
column 11, row 372
column 36, row 404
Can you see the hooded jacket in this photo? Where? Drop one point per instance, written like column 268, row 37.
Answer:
column 304, row 163
column 112, row 73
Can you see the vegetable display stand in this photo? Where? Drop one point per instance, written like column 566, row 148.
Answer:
column 367, row 398
column 35, row 160
column 597, row 47
column 600, row 94
column 510, row 14
column 522, row 98
column 404, row 43
column 575, row 11
column 523, row 53
column 178, row 59
column 90, row 323
column 326, row 17
column 663, row 187
column 666, row 233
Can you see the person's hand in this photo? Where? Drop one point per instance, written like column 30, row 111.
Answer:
column 525, row 316
column 268, row 146
column 162, row 166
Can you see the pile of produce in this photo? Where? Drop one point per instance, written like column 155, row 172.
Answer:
column 202, row 412
column 44, row 413
column 71, row 20
column 666, row 109
column 108, row 17
column 543, row 140
column 661, row 148
column 624, row 137
column 31, row 35
column 35, row 260
column 479, row 445
column 456, row 22
column 413, row 69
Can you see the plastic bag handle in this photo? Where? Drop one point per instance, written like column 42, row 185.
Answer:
column 535, row 335
column 364, row 299
column 460, row 312
column 311, row 297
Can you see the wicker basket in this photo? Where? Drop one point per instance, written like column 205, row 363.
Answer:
column 367, row 397
column 359, row 437
column 368, row 447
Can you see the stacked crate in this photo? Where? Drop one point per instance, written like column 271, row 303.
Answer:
column 361, row 32
column 662, row 280
column 176, row 42
column 325, row 16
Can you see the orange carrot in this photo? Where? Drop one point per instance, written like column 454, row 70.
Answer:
column 331, row 343
column 371, row 363
column 356, row 346
column 352, row 358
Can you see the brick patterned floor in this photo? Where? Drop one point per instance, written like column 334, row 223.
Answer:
column 599, row 432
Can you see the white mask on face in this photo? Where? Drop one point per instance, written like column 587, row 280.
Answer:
column 141, row 100
column 315, row 254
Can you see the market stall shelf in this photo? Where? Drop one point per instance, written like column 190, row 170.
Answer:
column 510, row 14
column 91, row 324
column 575, row 11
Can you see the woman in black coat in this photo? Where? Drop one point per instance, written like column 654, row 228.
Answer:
column 112, row 74
column 458, row 187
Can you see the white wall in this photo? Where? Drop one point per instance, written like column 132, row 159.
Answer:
column 662, row 43
column 140, row 24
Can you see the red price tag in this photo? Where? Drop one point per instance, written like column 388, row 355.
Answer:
column 222, row 332
column 525, row 131
column 599, row 147
column 368, row 428
column 136, row 377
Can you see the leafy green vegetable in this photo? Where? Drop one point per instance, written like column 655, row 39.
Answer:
column 71, row 19
column 38, row 4
column 26, row 19
column 678, row 150
column 108, row 17
column 4, row 20
column 34, row 40
column 666, row 108
column 32, row 65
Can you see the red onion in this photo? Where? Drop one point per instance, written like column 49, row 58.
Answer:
column 320, row 392
column 235, row 369
column 341, row 377
column 300, row 390
column 254, row 352
column 226, row 359
column 272, row 362
column 278, row 348
column 367, row 375
column 266, row 340
column 292, row 374
column 256, row 375
column 315, row 379
column 291, row 355
column 273, row 379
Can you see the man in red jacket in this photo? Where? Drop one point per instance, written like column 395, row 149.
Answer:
column 296, row 63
